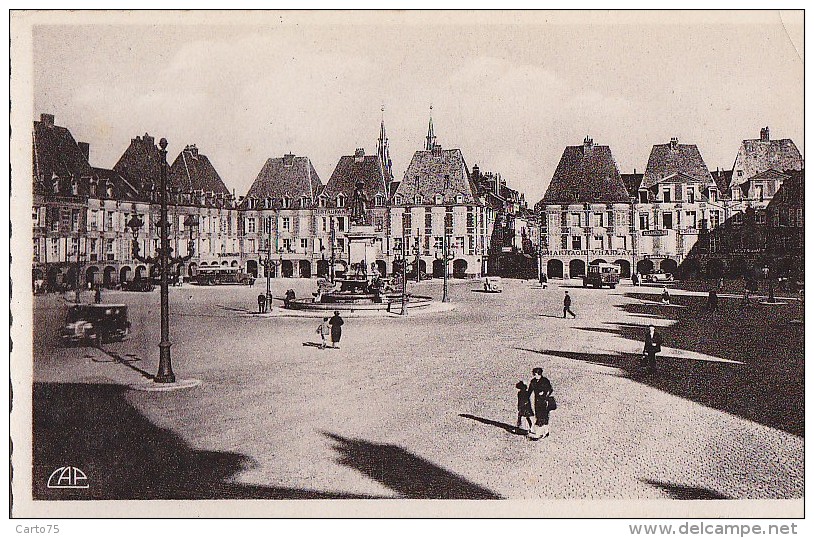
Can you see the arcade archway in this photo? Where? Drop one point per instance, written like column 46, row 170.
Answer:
column 576, row 268
column 555, row 269
column 459, row 268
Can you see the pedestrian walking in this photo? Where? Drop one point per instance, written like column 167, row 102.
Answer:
column 524, row 410
column 712, row 301
column 665, row 296
column 261, row 303
column 652, row 345
column 566, row 306
column 323, row 331
column 336, row 323
column 721, row 283
column 540, row 389
column 635, row 279
column 97, row 296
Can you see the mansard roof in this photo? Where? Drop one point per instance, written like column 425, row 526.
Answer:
column 352, row 169
column 286, row 177
column 669, row 159
column 438, row 171
column 758, row 155
column 586, row 174
column 192, row 171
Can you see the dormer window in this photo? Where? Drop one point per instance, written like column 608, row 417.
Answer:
column 379, row 200
column 322, row 201
column 304, row 202
column 418, row 199
column 110, row 191
column 398, row 199
column 286, row 202
column 439, row 199
column 459, row 198
column 340, row 200
column 74, row 187
column 93, row 187
column 56, row 186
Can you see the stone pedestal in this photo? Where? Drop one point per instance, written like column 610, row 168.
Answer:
column 362, row 245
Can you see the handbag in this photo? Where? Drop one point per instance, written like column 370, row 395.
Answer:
column 552, row 403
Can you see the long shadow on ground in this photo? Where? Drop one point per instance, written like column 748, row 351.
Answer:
column 739, row 389
column 686, row 493
column 125, row 456
column 405, row 473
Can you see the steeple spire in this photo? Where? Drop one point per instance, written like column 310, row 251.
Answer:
column 383, row 151
column 430, row 135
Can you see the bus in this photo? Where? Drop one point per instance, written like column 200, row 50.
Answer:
column 601, row 274
column 209, row 276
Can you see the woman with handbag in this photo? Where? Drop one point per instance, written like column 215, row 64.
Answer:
column 540, row 390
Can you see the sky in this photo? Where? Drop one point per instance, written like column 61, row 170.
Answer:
column 510, row 90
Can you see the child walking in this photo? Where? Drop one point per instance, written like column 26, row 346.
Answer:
column 323, row 331
column 523, row 407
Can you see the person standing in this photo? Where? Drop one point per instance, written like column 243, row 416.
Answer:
column 323, row 331
column 566, row 306
column 665, row 296
column 540, row 389
column 652, row 345
column 261, row 303
column 336, row 323
column 524, row 410
column 712, row 301
column 97, row 296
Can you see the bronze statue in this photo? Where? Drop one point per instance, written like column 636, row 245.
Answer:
column 358, row 214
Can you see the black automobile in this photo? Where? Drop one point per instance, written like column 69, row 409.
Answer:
column 95, row 324
column 143, row 284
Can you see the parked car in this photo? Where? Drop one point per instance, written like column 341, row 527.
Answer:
column 95, row 323
column 143, row 284
column 492, row 284
column 660, row 277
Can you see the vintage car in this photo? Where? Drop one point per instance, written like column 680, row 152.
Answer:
column 142, row 284
column 658, row 277
column 95, row 323
column 492, row 284
column 601, row 274
column 213, row 276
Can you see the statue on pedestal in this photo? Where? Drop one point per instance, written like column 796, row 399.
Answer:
column 358, row 212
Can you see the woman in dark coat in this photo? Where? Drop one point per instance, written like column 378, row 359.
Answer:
column 540, row 389
column 336, row 323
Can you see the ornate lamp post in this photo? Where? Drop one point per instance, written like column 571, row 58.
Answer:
column 164, row 261
column 417, row 251
column 79, row 256
column 446, row 256
column 189, row 223
column 269, row 264
column 399, row 250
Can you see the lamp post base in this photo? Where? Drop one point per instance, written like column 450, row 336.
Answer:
column 165, row 373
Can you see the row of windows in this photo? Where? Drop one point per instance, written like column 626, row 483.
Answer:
column 438, row 199
column 286, row 202
column 598, row 242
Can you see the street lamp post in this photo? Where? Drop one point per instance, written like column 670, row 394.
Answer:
column 446, row 256
column 417, row 250
column 587, row 236
column 79, row 253
column 164, row 261
column 269, row 264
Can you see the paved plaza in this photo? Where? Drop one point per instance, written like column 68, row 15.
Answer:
column 423, row 406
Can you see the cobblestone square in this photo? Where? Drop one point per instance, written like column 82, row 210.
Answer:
column 424, row 406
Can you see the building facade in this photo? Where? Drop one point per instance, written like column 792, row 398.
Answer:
column 81, row 213
column 586, row 214
column 438, row 201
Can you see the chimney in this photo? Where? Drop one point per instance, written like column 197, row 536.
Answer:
column 764, row 134
column 359, row 155
column 436, row 150
column 674, row 143
column 192, row 149
column 84, row 147
column 288, row 159
column 47, row 119
column 476, row 172
column 588, row 144
column 148, row 140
